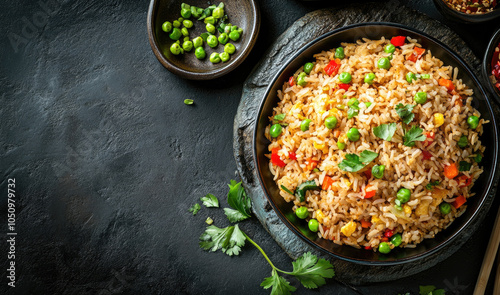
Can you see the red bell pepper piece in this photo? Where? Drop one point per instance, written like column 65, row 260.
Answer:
column 291, row 81
column 275, row 158
column 388, row 233
column 365, row 224
column 332, row 68
column 417, row 54
column 446, row 83
column 464, row 181
column 369, row 193
column 368, row 173
column 327, row 182
column 292, row 156
column 426, row 155
column 368, row 248
column 398, row 40
column 344, row 86
column 430, row 138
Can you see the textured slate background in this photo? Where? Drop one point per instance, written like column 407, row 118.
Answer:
column 107, row 158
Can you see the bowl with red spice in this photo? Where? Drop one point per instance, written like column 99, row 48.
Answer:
column 469, row 11
column 491, row 65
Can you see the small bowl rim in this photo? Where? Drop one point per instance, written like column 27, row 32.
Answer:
column 205, row 75
column 465, row 17
column 427, row 253
column 486, row 64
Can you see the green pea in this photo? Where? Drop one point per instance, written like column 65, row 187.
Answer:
column 187, row 46
column 384, row 248
column 215, row 58
column 367, row 104
column 186, row 13
column 340, row 145
column 240, row 31
column 420, row 97
column 234, row 35
column 396, row 240
column 175, row 49
column 463, row 142
column 331, row 122
column 313, row 225
column 425, row 76
column 378, row 171
column 227, row 28
column 389, row 48
column 301, row 79
column 352, row 101
column 176, row 34
column 234, row 28
column 185, row 32
column 187, row 23
column 180, row 19
column 210, row 20
column 302, row 212
column 223, row 38
column 353, row 134
column 308, row 67
column 229, row 48
column 398, row 207
column 275, row 129
column 186, row 39
column 339, row 53
column 369, row 78
column 384, row 63
column 345, row 77
column 210, row 28
column 403, row 195
column 218, row 12
column 224, row 56
column 390, row 56
column 473, row 122
column 445, row 208
column 200, row 53
column 166, row 27
column 304, row 125
column 410, row 77
column 197, row 42
column 176, row 23
column 212, row 41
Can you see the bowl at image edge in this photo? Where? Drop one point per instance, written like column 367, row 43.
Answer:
column 482, row 186
column 242, row 13
column 487, row 65
column 455, row 15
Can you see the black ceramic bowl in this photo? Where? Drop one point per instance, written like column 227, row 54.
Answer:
column 284, row 210
column 456, row 15
column 487, row 65
column 242, row 13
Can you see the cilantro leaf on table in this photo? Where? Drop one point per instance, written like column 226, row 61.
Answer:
column 210, row 201
column 229, row 239
column 413, row 135
column 431, row 290
column 385, row 131
column 238, row 200
column 354, row 163
column 279, row 285
column 195, row 208
column 311, row 271
column 405, row 112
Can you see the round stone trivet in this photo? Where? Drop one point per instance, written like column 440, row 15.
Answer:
column 300, row 33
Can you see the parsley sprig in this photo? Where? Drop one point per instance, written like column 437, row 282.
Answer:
column 385, row 131
column 239, row 201
column 411, row 136
column 308, row 269
column 354, row 163
column 405, row 112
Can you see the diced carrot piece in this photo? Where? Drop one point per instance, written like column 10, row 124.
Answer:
column 459, row 201
column 311, row 164
column 336, row 133
column 291, row 81
column 446, row 83
column 369, row 192
column 327, row 182
column 464, row 181
column 416, row 54
column 365, row 224
column 384, row 239
column 451, row 171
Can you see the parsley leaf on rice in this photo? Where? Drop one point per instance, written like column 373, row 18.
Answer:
column 412, row 135
column 385, row 131
column 405, row 112
column 354, row 163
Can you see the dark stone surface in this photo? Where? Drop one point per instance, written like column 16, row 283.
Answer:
column 300, row 33
column 107, row 159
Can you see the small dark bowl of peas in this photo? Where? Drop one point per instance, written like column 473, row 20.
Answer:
column 466, row 11
column 491, row 66
column 201, row 41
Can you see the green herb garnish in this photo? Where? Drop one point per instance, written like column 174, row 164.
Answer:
column 229, row 239
column 286, row 190
column 385, row 131
column 353, row 110
column 210, row 201
column 239, row 201
column 413, row 135
column 354, row 163
column 188, row 101
column 430, row 290
column 405, row 112
column 280, row 117
column 195, row 208
column 431, row 184
column 464, row 166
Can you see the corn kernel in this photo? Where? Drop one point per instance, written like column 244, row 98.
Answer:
column 343, row 138
column 320, row 216
column 318, row 146
column 326, row 88
column 438, row 119
column 348, row 183
column 349, row 228
column 334, row 111
column 375, row 219
column 407, row 209
column 300, row 117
